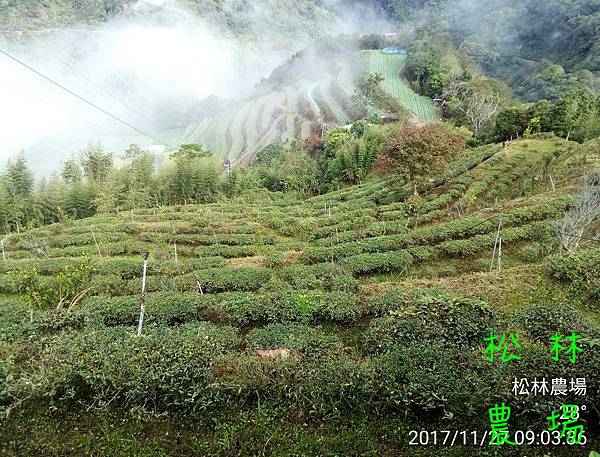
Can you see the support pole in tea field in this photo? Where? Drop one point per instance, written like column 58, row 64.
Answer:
column 96, row 242
column 496, row 243
column 143, row 295
column 3, row 253
column 198, row 285
column 500, row 254
column 176, row 258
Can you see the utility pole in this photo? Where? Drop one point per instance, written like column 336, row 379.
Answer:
column 143, row 296
column 176, row 258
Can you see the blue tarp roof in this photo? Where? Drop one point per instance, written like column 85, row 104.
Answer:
column 394, row 51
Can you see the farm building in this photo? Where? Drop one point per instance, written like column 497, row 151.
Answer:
column 399, row 51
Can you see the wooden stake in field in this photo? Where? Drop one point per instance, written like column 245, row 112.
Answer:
column 3, row 253
column 497, row 243
column 96, row 242
column 176, row 257
column 198, row 285
column 500, row 254
column 143, row 295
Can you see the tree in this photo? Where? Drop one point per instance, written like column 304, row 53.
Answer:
column 112, row 193
column 17, row 181
column 18, row 178
column 96, row 163
column 424, row 61
column 192, row 179
column 512, row 121
column 268, row 153
column 478, row 100
column 294, row 171
column 370, row 91
column 415, row 153
column 573, row 111
column 51, row 199
column 335, row 140
column 192, row 151
column 80, row 200
column 72, row 172
column 582, row 215
column 353, row 161
column 140, row 181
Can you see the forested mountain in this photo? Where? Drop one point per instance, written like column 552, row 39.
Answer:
column 258, row 20
column 527, row 43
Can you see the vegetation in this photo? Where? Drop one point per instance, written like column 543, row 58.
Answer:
column 344, row 308
column 332, row 287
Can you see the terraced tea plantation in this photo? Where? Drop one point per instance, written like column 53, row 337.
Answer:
column 390, row 66
column 240, row 131
column 329, row 326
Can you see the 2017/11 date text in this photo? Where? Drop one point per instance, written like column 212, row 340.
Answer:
column 484, row 438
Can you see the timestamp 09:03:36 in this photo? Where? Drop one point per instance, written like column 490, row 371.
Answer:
column 483, row 438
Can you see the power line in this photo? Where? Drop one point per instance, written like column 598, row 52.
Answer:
column 93, row 105
column 45, row 102
column 481, row 223
column 93, row 83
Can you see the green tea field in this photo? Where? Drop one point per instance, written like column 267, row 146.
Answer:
column 313, row 327
column 390, row 66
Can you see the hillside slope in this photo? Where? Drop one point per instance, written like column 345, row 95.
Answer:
column 361, row 313
column 297, row 109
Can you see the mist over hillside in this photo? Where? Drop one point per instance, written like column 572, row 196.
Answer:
column 147, row 62
column 152, row 63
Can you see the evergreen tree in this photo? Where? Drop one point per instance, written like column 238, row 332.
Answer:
column 573, row 112
column 18, row 182
column 353, row 161
column 96, row 163
column 140, row 181
column 80, row 200
column 112, row 193
column 19, row 178
column 71, row 172
column 51, row 200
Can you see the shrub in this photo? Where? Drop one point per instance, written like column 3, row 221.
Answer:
column 580, row 269
column 311, row 341
column 228, row 252
column 305, row 277
column 233, row 279
column 378, row 263
column 274, row 259
column 461, row 322
column 543, row 321
column 165, row 369
column 434, row 381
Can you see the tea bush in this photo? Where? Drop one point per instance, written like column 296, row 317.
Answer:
column 396, row 261
column 233, row 279
column 165, row 369
column 579, row 269
column 311, row 341
column 461, row 322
